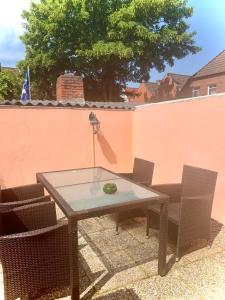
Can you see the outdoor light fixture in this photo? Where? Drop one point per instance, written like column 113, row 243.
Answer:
column 94, row 122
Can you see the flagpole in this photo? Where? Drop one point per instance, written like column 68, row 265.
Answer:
column 28, row 68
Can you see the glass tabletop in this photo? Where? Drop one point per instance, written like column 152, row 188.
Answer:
column 91, row 195
column 81, row 190
column 78, row 176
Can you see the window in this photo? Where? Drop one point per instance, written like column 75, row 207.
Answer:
column 195, row 91
column 211, row 89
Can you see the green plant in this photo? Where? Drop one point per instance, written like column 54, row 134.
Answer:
column 108, row 42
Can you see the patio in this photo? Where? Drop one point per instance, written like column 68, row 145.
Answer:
column 124, row 266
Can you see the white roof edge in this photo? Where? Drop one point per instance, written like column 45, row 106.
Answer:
column 179, row 100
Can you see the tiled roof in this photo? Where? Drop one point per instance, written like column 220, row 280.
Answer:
column 215, row 66
column 151, row 86
column 179, row 78
column 72, row 104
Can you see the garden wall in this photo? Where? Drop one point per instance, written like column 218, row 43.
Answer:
column 44, row 139
column 190, row 131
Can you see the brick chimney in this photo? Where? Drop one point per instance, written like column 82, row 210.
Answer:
column 69, row 87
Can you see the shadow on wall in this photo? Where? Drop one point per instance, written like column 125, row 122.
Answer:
column 106, row 149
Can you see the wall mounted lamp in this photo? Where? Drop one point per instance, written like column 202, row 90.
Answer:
column 94, row 122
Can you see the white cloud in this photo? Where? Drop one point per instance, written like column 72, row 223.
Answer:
column 11, row 48
column 10, row 14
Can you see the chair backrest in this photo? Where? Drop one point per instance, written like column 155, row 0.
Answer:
column 143, row 170
column 198, row 186
column 197, row 181
column 29, row 217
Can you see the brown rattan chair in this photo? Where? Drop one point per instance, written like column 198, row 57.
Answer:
column 142, row 171
column 142, row 174
column 36, row 259
column 190, row 206
column 19, row 196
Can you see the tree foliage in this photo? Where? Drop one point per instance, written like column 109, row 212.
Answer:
column 10, row 85
column 108, row 42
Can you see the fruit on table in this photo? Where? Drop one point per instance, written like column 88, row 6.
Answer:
column 110, row 188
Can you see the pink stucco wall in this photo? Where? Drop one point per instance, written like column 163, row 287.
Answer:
column 171, row 134
column 44, row 139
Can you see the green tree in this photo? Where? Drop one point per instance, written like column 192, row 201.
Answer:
column 10, row 85
column 108, row 42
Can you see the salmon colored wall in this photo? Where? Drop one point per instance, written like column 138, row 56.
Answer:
column 44, row 139
column 172, row 134
column 169, row 134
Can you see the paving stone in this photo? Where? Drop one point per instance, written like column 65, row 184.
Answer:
column 1, row 290
column 121, row 279
column 143, row 253
column 203, row 276
column 122, row 294
column 194, row 252
column 108, row 241
column 59, row 213
column 165, row 288
column 219, row 239
column 91, row 262
column 107, row 222
column 90, row 225
column 139, row 232
column 118, row 260
column 125, row 266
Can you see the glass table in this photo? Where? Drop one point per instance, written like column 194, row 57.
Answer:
column 79, row 193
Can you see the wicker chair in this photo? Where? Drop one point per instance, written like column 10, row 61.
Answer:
column 142, row 171
column 142, row 174
column 19, row 196
column 36, row 259
column 190, row 206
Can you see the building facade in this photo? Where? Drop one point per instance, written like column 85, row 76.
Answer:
column 209, row 80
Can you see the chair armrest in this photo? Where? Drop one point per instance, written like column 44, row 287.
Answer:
column 21, row 193
column 171, row 189
column 29, row 217
column 126, row 175
column 35, row 233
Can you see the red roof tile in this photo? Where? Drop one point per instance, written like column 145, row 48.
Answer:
column 179, row 78
column 215, row 66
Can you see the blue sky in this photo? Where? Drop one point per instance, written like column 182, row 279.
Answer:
column 208, row 20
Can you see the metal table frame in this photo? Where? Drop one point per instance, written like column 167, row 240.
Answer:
column 75, row 216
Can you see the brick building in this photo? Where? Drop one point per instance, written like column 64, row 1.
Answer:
column 170, row 86
column 144, row 93
column 209, row 80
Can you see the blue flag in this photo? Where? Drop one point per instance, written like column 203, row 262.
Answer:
column 25, row 95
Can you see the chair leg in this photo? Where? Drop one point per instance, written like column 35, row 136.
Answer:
column 117, row 225
column 178, row 253
column 209, row 243
column 147, row 226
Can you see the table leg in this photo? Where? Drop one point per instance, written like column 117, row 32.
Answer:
column 74, row 264
column 163, row 235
